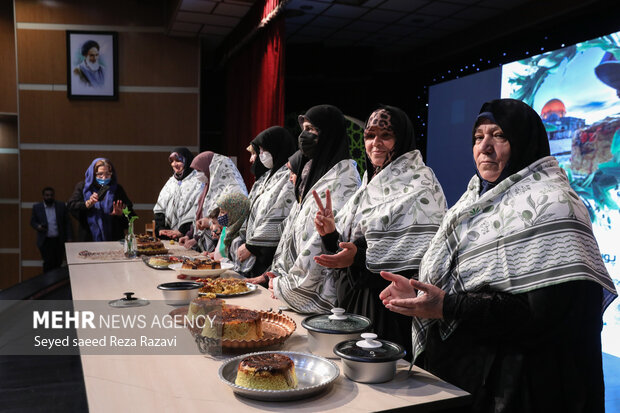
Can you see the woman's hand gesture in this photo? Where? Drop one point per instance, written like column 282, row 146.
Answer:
column 324, row 219
column 343, row 259
column 401, row 296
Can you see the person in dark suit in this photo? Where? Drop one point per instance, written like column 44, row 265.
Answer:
column 50, row 219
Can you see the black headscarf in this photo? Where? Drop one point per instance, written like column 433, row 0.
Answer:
column 187, row 161
column 257, row 168
column 295, row 160
column 279, row 143
column 523, row 129
column 403, row 131
column 332, row 146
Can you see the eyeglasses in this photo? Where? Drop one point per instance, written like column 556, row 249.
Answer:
column 103, row 174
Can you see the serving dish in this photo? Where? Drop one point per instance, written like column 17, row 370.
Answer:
column 170, row 258
column 251, row 289
column 325, row 330
column 201, row 273
column 180, row 292
column 369, row 360
column 277, row 328
column 314, row 375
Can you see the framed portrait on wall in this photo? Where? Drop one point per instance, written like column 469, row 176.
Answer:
column 92, row 67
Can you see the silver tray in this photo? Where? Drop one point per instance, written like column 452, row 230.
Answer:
column 314, row 375
column 251, row 289
column 146, row 258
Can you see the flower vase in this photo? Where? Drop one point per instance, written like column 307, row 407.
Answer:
column 131, row 246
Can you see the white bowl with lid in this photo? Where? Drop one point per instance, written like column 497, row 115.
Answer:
column 369, row 360
column 327, row 330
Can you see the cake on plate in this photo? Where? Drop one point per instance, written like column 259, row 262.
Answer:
column 272, row 371
column 234, row 323
column 148, row 245
column 201, row 264
column 201, row 306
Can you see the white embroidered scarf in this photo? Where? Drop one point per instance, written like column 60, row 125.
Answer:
column 225, row 179
column 178, row 200
column 272, row 203
column 530, row 231
column 398, row 213
column 303, row 284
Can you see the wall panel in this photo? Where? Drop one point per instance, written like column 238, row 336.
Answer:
column 9, row 175
column 42, row 56
column 10, row 270
column 9, row 225
column 135, row 119
column 144, row 59
column 31, row 272
column 109, row 12
column 8, row 82
column 8, row 132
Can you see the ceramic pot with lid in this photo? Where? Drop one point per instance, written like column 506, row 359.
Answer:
column 179, row 292
column 369, row 360
column 327, row 330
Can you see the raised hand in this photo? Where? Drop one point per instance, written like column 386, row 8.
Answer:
column 324, row 220
column 117, row 208
column 404, row 300
column 343, row 259
column 94, row 198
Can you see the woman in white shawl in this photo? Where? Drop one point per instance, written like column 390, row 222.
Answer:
column 512, row 288
column 219, row 176
column 387, row 225
column 294, row 277
column 271, row 200
column 176, row 205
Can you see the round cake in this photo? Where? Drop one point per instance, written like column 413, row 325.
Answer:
column 201, row 306
column 271, row 371
column 234, row 324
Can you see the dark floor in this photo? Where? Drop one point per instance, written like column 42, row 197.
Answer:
column 43, row 383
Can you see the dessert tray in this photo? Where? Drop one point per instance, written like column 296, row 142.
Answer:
column 277, row 328
column 314, row 374
column 171, row 260
column 251, row 289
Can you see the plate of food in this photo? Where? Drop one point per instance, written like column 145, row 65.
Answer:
column 278, row 376
column 161, row 262
column 225, row 287
column 236, row 328
column 200, row 267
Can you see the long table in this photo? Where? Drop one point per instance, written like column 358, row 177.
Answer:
column 189, row 383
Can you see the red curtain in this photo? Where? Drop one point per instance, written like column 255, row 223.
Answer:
column 255, row 91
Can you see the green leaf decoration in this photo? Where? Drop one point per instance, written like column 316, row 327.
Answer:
column 488, row 209
column 305, row 253
column 536, row 176
column 385, row 219
column 496, row 224
column 527, row 214
column 424, row 201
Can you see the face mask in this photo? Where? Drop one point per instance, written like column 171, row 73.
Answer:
column 103, row 181
column 223, row 220
column 266, row 159
column 307, row 143
column 201, row 177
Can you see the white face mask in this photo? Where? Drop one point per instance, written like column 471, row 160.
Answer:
column 201, row 177
column 266, row 159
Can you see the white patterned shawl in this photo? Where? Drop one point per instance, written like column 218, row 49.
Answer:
column 303, row 284
column 271, row 205
column 225, row 179
column 178, row 200
column 398, row 213
column 531, row 231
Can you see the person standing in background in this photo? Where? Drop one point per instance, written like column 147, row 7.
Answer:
column 50, row 219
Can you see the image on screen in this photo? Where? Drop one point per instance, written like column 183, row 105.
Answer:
column 576, row 91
